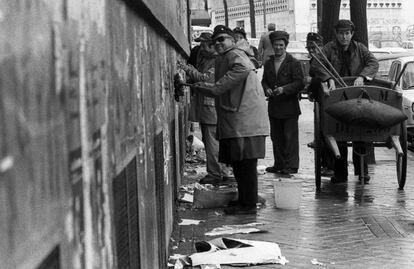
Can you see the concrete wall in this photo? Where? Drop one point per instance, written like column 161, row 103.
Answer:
column 91, row 144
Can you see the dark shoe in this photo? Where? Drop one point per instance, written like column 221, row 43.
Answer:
column 229, row 180
column 327, row 172
column 240, row 210
column 311, row 144
column 209, row 179
column 288, row 171
column 335, row 180
column 260, row 200
column 272, row 169
column 366, row 178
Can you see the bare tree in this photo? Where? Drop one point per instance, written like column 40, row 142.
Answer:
column 226, row 13
column 359, row 18
column 252, row 19
column 329, row 17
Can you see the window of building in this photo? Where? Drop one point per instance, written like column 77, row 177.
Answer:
column 240, row 23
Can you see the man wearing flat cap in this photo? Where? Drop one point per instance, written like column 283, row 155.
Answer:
column 241, row 125
column 282, row 82
column 350, row 59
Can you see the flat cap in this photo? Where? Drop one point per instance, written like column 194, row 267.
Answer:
column 240, row 30
column 204, row 36
column 222, row 29
column 344, row 25
column 279, row 35
column 314, row 37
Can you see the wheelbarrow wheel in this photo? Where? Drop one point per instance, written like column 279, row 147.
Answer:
column 402, row 159
column 317, row 145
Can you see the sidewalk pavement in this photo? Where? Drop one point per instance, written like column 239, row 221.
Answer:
column 346, row 225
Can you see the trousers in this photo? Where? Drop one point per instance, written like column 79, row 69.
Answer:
column 245, row 173
column 341, row 164
column 284, row 134
column 211, row 145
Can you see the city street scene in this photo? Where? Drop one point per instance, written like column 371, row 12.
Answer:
column 155, row 134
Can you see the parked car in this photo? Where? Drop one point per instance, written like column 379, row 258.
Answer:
column 405, row 65
column 385, row 60
column 298, row 50
column 379, row 52
column 391, row 46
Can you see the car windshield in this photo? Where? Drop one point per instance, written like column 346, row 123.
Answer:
column 408, row 76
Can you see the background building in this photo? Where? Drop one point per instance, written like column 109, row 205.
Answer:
column 387, row 19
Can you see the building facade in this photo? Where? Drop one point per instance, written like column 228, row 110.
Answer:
column 387, row 19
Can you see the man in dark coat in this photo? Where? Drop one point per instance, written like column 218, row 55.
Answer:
column 282, row 81
column 349, row 58
column 313, row 86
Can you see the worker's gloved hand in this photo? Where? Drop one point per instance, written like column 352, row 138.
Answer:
column 359, row 81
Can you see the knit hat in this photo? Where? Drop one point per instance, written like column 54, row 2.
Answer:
column 279, row 35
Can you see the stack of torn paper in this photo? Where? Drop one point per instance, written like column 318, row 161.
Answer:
column 236, row 252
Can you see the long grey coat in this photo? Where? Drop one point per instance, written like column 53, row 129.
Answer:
column 240, row 103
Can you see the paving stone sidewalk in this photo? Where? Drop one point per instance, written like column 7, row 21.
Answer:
column 345, row 225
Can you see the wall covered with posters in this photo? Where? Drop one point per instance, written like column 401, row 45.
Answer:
column 91, row 138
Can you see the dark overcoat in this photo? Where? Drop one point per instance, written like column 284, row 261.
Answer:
column 290, row 77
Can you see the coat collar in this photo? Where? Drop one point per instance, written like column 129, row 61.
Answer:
column 288, row 58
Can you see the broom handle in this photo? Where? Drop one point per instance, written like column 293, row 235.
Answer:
column 330, row 65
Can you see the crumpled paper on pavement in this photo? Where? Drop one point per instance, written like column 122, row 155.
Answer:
column 179, row 261
column 190, row 222
column 236, row 229
column 237, row 252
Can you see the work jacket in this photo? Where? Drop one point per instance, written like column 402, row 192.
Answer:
column 363, row 63
column 290, row 78
column 240, row 100
column 202, row 107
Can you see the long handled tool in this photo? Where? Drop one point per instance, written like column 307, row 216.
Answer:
column 327, row 70
column 343, row 84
